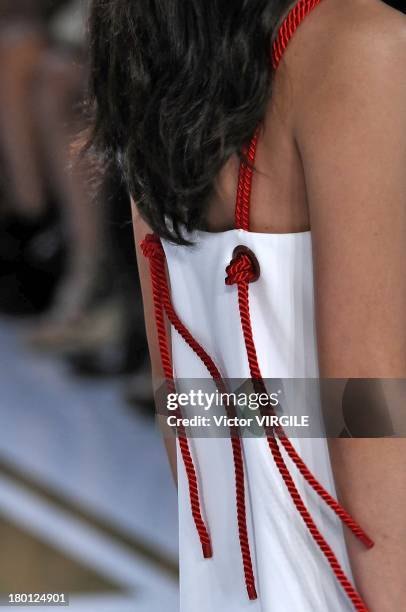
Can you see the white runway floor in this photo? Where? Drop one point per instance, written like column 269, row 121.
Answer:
column 79, row 441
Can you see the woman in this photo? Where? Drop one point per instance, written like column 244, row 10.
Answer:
column 266, row 142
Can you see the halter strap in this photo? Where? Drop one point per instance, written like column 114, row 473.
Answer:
column 286, row 31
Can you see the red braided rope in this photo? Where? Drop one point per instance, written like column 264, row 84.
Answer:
column 152, row 249
column 240, row 185
column 342, row 514
column 162, row 297
column 246, row 172
column 289, row 27
column 351, row 592
column 235, row 440
column 239, row 274
column 244, row 306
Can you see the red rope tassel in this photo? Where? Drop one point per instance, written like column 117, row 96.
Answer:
column 342, row 514
column 235, row 440
column 241, row 271
column 351, row 592
column 152, row 248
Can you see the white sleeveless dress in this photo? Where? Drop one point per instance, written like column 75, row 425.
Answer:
column 291, row 572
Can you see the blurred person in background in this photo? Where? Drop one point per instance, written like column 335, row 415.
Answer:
column 28, row 274
column 57, row 92
column 42, row 86
column 22, row 42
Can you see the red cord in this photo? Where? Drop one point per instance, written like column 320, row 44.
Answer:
column 152, row 249
column 342, row 514
column 351, row 592
column 235, row 440
column 245, row 177
column 289, row 27
column 241, row 272
column 238, row 208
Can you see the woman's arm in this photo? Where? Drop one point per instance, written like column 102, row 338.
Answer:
column 350, row 129
column 140, row 231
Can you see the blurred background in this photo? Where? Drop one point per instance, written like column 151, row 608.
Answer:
column 87, row 503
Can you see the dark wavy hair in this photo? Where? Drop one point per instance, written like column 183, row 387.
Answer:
column 176, row 88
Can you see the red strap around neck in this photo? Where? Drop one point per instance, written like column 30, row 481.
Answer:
column 289, row 26
column 284, row 36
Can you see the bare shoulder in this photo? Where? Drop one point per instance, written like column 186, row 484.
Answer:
column 353, row 25
column 346, row 65
column 347, row 45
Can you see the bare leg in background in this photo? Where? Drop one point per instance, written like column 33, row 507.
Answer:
column 21, row 46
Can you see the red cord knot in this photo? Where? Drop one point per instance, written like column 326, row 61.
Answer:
column 151, row 247
column 243, row 268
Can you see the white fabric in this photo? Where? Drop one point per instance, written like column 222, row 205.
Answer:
column 292, row 575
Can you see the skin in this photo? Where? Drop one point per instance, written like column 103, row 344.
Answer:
column 59, row 86
column 140, row 230
column 21, row 48
column 40, row 88
column 356, row 203
column 332, row 159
